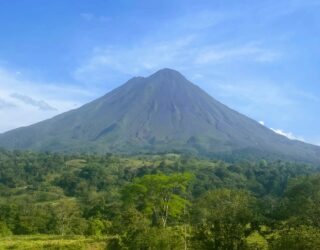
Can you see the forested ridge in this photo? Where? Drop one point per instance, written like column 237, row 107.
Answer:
column 164, row 201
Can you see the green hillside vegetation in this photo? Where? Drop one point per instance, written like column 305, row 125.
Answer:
column 169, row 201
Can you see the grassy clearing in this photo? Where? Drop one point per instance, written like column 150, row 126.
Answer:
column 47, row 242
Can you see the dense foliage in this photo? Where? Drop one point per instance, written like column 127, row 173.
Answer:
column 161, row 201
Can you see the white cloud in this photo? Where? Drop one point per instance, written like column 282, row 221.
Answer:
column 289, row 135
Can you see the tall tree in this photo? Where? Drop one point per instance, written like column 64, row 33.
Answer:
column 158, row 196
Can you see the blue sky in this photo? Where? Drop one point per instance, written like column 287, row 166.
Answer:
column 260, row 58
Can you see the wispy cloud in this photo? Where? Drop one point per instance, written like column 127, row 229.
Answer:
column 18, row 109
column 40, row 104
column 103, row 62
column 251, row 52
column 261, row 93
column 180, row 53
column 198, row 21
column 5, row 104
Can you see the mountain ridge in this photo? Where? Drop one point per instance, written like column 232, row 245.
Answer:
column 160, row 113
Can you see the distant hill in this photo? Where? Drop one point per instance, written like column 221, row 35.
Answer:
column 161, row 113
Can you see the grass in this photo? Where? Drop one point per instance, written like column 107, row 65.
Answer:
column 51, row 242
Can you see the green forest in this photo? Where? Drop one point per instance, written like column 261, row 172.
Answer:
column 169, row 201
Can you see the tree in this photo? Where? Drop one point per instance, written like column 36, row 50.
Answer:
column 158, row 196
column 222, row 219
column 137, row 234
column 68, row 218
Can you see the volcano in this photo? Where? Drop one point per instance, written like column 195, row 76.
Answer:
column 157, row 114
